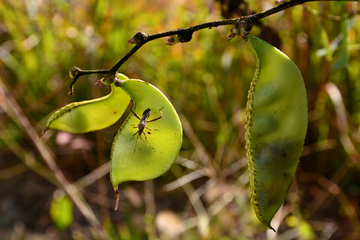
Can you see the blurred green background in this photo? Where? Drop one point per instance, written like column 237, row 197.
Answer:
column 206, row 193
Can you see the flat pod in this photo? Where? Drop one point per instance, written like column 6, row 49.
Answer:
column 275, row 128
column 155, row 156
column 91, row 115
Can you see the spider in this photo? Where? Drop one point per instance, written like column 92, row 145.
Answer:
column 142, row 125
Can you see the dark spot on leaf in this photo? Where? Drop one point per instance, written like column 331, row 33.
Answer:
column 114, row 112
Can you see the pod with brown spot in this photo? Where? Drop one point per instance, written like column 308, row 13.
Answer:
column 276, row 125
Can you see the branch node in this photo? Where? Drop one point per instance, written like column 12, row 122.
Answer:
column 139, row 38
column 244, row 25
column 74, row 71
column 185, row 37
column 110, row 77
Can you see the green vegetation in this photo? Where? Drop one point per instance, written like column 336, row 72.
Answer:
column 206, row 192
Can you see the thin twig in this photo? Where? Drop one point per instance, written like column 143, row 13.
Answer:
column 344, row 133
column 185, row 179
column 48, row 157
column 341, row 197
column 150, row 212
column 141, row 38
column 208, row 25
column 199, row 148
column 24, row 155
column 185, row 34
column 93, row 176
column 194, row 198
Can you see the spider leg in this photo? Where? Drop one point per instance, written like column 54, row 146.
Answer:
column 145, row 136
column 155, row 119
column 135, row 134
column 135, row 114
column 145, row 141
column 136, row 143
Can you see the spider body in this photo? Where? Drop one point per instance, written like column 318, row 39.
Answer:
column 142, row 125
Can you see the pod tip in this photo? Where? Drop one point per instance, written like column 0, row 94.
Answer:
column 43, row 132
column 117, row 199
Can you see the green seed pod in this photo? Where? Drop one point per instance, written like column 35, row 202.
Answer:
column 135, row 159
column 276, row 124
column 90, row 115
